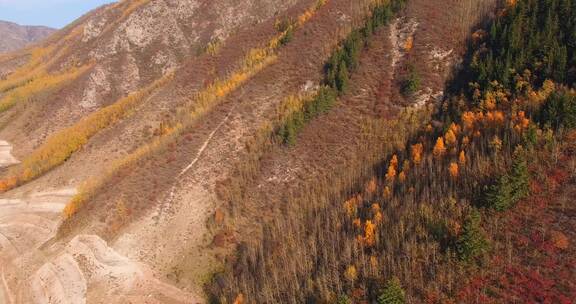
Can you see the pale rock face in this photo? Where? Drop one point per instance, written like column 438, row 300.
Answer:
column 132, row 72
column 159, row 35
column 154, row 22
column 93, row 28
column 166, row 61
column 97, row 83
column 183, row 9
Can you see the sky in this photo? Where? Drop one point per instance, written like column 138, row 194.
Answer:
column 52, row 13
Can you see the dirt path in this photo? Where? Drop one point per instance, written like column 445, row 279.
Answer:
column 187, row 206
column 168, row 202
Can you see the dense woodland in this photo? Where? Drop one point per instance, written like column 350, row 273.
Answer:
column 426, row 222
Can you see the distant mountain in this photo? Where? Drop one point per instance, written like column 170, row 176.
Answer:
column 14, row 36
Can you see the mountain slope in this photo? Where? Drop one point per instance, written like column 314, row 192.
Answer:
column 16, row 36
column 190, row 151
column 107, row 46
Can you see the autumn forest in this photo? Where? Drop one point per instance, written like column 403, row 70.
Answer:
column 448, row 216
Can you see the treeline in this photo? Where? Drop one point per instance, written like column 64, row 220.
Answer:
column 338, row 69
column 417, row 226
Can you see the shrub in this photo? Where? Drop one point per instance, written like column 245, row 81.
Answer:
column 287, row 36
column 34, row 68
column 342, row 79
column 283, row 25
column 44, row 83
column 411, row 84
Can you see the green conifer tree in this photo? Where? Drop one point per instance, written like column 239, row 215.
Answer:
column 343, row 78
column 392, row 293
column 471, row 242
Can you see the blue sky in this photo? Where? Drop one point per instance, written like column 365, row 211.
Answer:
column 53, row 13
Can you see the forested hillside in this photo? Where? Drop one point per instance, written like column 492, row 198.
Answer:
column 434, row 223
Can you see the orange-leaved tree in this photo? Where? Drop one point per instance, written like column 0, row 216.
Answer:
column 391, row 174
column 462, row 158
column 439, row 148
column 369, row 233
column 454, row 170
column 416, row 152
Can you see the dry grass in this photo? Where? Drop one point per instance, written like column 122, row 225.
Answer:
column 60, row 146
column 40, row 59
column 32, row 69
column 28, row 88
